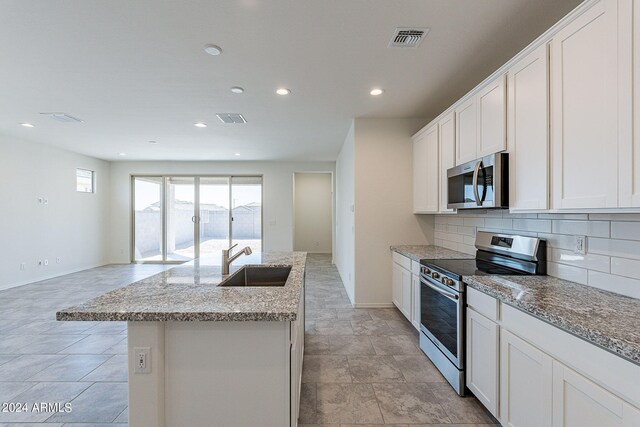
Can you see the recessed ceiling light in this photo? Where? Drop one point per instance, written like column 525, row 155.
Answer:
column 122, row 154
column 237, row 154
column 212, row 49
column 153, row 142
column 237, row 89
column 200, row 125
column 27, row 125
column 283, row 91
column 376, row 92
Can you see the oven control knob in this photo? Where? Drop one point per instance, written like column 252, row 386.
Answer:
column 435, row 275
column 425, row 270
column 447, row 281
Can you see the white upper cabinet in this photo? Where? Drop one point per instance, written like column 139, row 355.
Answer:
column 629, row 177
column 528, row 132
column 447, row 148
column 584, row 104
column 466, row 119
column 480, row 123
column 425, row 171
column 492, row 118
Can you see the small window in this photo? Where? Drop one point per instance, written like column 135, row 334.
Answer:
column 85, row 181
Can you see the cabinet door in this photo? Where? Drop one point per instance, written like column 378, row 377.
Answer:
column 525, row 383
column 528, row 133
column 425, row 172
column 420, row 174
column 492, row 118
column 406, row 294
column 482, row 359
column 415, row 301
column 396, row 285
column 629, row 177
column 447, row 152
column 577, row 402
column 466, row 119
column 584, row 66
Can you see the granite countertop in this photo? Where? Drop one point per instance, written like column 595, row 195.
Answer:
column 418, row 252
column 606, row 319
column 189, row 292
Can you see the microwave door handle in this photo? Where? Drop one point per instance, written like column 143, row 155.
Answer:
column 450, row 295
column 476, row 172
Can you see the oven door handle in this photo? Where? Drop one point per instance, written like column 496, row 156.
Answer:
column 452, row 296
column 476, row 171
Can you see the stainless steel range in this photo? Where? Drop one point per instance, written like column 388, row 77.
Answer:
column 442, row 294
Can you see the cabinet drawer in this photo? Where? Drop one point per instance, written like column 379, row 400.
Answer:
column 415, row 267
column 484, row 304
column 401, row 260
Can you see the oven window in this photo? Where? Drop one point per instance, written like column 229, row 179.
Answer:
column 439, row 315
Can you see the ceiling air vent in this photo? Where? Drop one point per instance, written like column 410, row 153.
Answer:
column 230, row 118
column 63, row 117
column 408, row 37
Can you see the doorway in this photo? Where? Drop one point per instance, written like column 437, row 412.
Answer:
column 313, row 212
column 180, row 218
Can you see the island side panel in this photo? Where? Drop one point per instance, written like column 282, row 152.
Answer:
column 227, row 374
column 146, row 391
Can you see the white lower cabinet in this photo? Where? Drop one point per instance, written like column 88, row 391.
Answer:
column 578, row 402
column 525, row 383
column 482, row 359
column 415, row 296
column 405, row 287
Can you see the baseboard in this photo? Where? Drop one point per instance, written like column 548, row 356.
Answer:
column 374, row 305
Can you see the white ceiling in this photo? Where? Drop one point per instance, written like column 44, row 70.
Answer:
column 134, row 70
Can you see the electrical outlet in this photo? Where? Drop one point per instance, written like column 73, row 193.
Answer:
column 142, row 363
column 580, row 245
column 46, row 262
column 23, row 266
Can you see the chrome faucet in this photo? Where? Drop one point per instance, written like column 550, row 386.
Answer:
column 227, row 260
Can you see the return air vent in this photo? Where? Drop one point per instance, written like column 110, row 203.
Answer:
column 408, row 37
column 63, row 117
column 231, row 118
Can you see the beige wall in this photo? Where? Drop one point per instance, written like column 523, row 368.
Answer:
column 344, row 256
column 313, row 208
column 71, row 226
column 377, row 160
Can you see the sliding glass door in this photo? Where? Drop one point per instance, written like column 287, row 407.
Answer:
column 179, row 218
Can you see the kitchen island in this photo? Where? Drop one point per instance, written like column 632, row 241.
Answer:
column 228, row 356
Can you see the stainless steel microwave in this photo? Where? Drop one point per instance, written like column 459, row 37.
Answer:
column 480, row 184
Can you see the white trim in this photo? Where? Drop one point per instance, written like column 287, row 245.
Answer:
column 373, row 305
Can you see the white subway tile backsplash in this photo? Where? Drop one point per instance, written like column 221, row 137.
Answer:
column 537, row 225
column 617, row 284
column 468, row 231
column 473, row 222
column 615, row 217
column 567, row 272
column 612, row 247
column 582, row 217
column 625, row 230
column 625, row 267
column 559, row 241
column 455, row 220
column 498, row 223
column 581, row 228
column 612, row 261
column 588, row 261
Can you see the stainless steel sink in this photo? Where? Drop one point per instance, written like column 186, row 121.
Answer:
column 258, row 276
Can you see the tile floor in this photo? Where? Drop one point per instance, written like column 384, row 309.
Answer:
column 362, row 366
